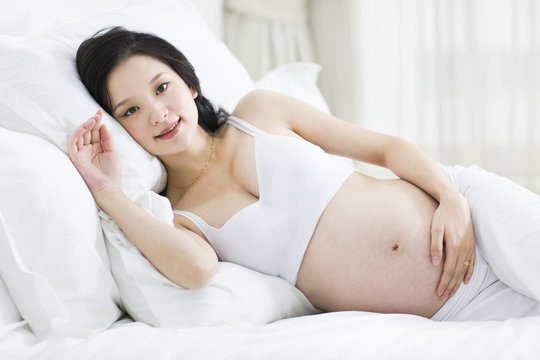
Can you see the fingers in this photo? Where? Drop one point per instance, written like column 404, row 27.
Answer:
column 470, row 268
column 106, row 139
column 85, row 134
column 443, row 290
column 76, row 141
column 457, row 278
column 452, row 222
column 467, row 267
column 95, row 138
column 458, row 267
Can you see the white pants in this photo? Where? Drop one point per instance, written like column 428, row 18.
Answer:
column 506, row 221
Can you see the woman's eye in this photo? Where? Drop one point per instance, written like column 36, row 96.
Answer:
column 161, row 88
column 131, row 110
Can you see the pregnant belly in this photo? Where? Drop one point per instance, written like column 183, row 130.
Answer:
column 370, row 250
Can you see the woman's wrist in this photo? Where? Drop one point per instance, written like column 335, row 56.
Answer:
column 109, row 195
column 449, row 194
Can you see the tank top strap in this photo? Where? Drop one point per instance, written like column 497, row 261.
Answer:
column 197, row 220
column 244, row 126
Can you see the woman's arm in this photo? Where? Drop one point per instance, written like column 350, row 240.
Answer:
column 451, row 226
column 178, row 253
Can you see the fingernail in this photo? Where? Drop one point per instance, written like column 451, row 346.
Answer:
column 444, row 297
column 435, row 260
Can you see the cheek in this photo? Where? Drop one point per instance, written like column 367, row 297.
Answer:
column 135, row 130
column 184, row 99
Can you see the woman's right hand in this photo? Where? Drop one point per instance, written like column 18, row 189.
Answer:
column 92, row 152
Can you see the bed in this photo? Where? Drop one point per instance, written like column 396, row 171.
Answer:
column 73, row 287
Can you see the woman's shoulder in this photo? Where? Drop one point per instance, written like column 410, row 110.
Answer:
column 256, row 99
column 263, row 109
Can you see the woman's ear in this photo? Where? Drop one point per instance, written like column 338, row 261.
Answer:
column 194, row 93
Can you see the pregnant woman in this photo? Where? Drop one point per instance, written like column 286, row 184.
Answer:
column 269, row 187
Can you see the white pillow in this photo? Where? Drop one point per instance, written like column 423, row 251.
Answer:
column 235, row 294
column 506, row 219
column 298, row 79
column 52, row 256
column 8, row 311
column 40, row 91
column 20, row 19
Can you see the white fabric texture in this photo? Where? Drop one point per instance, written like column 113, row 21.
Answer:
column 235, row 295
column 497, row 302
column 40, row 92
column 506, row 220
column 341, row 335
column 52, row 256
column 20, row 19
column 486, row 298
column 297, row 79
column 8, row 311
column 267, row 34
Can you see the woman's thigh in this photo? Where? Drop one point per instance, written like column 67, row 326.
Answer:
column 506, row 220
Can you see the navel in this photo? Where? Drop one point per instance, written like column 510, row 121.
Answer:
column 395, row 247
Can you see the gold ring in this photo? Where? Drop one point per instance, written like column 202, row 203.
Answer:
column 466, row 262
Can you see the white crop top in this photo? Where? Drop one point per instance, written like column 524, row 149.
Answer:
column 297, row 180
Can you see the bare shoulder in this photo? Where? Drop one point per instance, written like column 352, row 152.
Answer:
column 277, row 113
column 257, row 101
column 265, row 109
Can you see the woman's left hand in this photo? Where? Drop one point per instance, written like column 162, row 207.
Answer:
column 452, row 228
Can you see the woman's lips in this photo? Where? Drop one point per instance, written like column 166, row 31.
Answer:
column 170, row 131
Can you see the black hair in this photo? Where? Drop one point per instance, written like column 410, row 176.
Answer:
column 101, row 53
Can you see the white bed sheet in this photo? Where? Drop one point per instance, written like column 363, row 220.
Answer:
column 342, row 335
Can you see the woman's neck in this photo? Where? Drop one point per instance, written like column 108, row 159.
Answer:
column 188, row 166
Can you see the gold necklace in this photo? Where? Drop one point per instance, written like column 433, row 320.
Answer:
column 203, row 169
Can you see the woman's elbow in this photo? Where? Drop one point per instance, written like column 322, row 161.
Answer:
column 201, row 273
column 205, row 273
column 393, row 146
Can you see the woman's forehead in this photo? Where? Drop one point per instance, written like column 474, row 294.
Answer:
column 142, row 65
column 131, row 77
column 134, row 72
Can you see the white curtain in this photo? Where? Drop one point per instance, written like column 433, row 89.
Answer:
column 265, row 34
column 460, row 78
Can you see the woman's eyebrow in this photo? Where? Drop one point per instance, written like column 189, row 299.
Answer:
column 154, row 78
column 120, row 104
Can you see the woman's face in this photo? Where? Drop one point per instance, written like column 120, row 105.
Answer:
column 154, row 104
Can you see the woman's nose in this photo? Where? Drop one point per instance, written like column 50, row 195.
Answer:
column 159, row 115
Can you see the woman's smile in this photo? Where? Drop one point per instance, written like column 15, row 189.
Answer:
column 170, row 131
